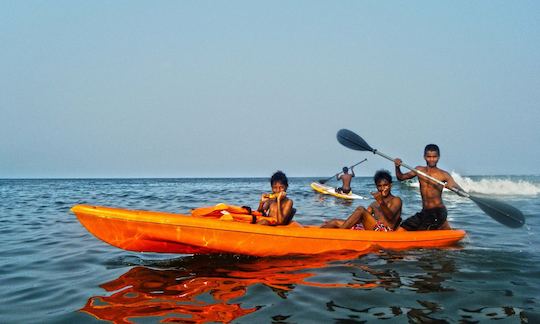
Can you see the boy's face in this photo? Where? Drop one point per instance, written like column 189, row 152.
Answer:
column 277, row 187
column 384, row 187
column 432, row 158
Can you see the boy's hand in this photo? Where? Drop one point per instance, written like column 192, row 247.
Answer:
column 378, row 196
column 397, row 162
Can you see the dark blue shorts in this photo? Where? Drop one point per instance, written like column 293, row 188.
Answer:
column 341, row 190
column 427, row 219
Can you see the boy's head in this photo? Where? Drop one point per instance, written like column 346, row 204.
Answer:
column 432, row 155
column 432, row 148
column 345, row 169
column 279, row 182
column 383, row 181
column 382, row 175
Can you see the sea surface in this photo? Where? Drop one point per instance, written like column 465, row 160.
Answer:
column 53, row 271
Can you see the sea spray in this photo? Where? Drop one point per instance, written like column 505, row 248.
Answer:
column 492, row 186
column 497, row 186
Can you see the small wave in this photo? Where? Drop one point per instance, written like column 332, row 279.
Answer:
column 497, row 186
column 491, row 186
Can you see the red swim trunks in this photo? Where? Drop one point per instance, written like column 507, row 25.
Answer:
column 379, row 227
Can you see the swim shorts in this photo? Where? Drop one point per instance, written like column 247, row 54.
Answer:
column 341, row 190
column 426, row 219
column 379, row 227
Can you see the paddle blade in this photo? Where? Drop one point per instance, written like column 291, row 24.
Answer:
column 351, row 140
column 323, row 181
column 499, row 211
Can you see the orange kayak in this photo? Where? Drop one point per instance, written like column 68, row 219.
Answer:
column 149, row 231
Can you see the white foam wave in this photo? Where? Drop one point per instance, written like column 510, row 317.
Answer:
column 491, row 186
column 497, row 186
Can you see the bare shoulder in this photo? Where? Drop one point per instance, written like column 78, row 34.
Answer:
column 446, row 175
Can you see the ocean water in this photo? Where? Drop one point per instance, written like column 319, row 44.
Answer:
column 52, row 270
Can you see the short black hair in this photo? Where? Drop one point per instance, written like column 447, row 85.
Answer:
column 345, row 169
column 382, row 175
column 433, row 148
column 279, row 176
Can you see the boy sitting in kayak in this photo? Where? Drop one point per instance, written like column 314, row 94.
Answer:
column 433, row 213
column 384, row 214
column 277, row 205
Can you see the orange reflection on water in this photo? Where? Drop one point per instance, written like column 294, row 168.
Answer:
column 183, row 294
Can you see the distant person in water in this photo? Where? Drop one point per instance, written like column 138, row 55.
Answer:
column 384, row 214
column 277, row 205
column 346, row 178
column 433, row 213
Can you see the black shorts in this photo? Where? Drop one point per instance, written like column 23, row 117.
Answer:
column 341, row 190
column 427, row 219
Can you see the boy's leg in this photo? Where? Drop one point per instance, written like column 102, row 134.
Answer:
column 360, row 215
column 334, row 223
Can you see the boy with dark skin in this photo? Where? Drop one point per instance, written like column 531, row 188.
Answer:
column 433, row 213
column 346, row 178
column 384, row 214
column 277, row 205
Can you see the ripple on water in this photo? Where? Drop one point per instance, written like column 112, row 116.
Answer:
column 51, row 267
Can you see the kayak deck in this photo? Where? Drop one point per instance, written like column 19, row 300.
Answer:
column 148, row 231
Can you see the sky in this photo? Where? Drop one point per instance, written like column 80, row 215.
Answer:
column 114, row 89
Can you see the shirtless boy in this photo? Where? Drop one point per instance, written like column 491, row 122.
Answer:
column 433, row 213
column 384, row 214
column 277, row 205
column 346, row 178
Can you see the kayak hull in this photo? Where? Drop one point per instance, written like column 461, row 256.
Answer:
column 147, row 231
column 327, row 190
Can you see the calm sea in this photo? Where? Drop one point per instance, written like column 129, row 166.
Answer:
column 53, row 270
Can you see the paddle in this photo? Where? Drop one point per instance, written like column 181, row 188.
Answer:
column 323, row 181
column 499, row 211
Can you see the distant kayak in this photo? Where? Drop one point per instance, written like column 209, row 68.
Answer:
column 206, row 233
column 327, row 190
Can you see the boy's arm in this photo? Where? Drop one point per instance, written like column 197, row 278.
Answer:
column 400, row 175
column 284, row 210
column 451, row 183
column 352, row 172
column 262, row 203
column 390, row 212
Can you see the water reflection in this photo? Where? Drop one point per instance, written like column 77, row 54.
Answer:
column 400, row 285
column 203, row 288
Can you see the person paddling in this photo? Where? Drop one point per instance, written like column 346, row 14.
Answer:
column 433, row 214
column 384, row 214
column 346, row 178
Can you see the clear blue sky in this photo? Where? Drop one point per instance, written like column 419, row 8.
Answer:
column 242, row 88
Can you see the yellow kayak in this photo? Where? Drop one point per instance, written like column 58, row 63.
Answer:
column 327, row 190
